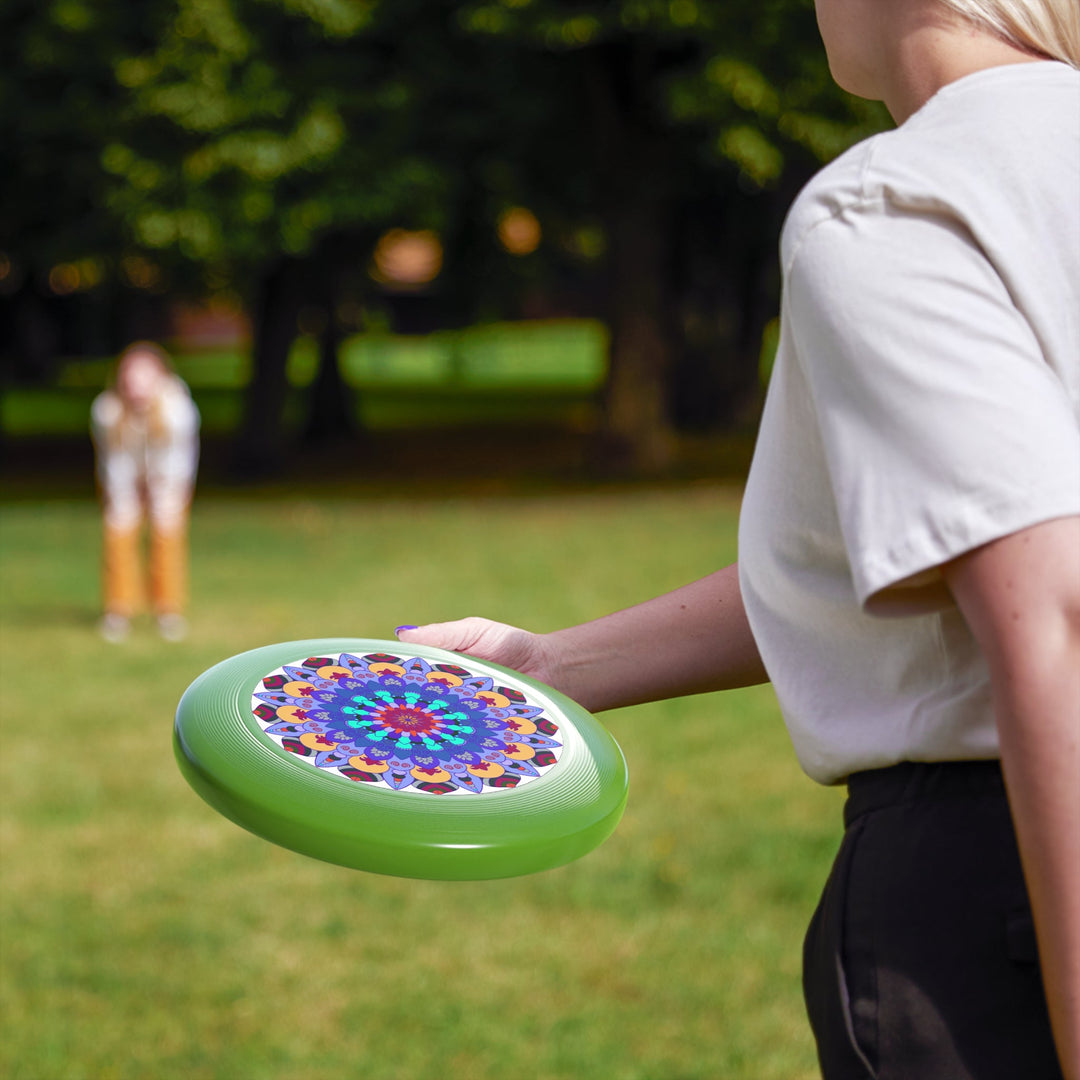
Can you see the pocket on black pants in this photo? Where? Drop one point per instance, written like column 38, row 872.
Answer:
column 825, row 986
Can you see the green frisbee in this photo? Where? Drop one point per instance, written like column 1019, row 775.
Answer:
column 400, row 759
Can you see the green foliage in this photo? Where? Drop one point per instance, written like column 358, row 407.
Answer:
column 279, row 132
column 225, row 131
column 261, row 147
column 748, row 78
column 58, row 108
column 145, row 936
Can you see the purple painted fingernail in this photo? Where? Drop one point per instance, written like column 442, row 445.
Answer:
column 398, row 629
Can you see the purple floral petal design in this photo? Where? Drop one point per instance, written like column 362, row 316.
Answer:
column 467, row 781
column 299, row 674
column 397, row 780
column 524, row 768
column 537, row 740
column 478, row 682
column 283, row 727
column 284, row 699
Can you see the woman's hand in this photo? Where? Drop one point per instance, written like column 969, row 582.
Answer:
column 487, row 640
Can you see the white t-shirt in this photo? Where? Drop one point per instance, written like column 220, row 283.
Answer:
column 143, row 462
column 925, row 400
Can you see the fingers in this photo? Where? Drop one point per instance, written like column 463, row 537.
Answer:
column 461, row 635
column 483, row 638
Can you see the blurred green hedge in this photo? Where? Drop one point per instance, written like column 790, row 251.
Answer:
column 514, row 371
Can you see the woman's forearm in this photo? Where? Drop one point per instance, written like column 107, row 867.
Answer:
column 689, row 641
column 1039, row 729
column 1021, row 598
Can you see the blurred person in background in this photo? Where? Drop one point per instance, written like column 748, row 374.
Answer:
column 909, row 549
column 146, row 437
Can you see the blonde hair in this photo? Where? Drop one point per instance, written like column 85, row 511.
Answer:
column 1048, row 27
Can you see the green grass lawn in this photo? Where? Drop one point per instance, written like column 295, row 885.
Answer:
column 144, row 936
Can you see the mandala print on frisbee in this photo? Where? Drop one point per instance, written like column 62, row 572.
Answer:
column 406, row 723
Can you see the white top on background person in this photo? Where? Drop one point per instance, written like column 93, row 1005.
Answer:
column 925, row 401
column 146, row 434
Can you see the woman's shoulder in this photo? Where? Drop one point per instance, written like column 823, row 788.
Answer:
column 178, row 409
column 996, row 143
column 106, row 410
column 831, row 192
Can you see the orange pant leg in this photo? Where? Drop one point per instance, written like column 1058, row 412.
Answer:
column 169, row 568
column 122, row 571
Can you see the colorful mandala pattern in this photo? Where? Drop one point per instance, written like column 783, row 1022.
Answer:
column 406, row 723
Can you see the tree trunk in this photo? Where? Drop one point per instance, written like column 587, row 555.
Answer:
column 635, row 190
column 331, row 412
column 728, row 284
column 35, row 337
column 637, row 425
column 261, row 447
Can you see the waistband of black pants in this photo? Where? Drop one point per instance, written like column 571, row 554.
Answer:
column 912, row 781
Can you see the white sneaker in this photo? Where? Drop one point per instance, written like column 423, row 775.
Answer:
column 114, row 628
column 172, row 626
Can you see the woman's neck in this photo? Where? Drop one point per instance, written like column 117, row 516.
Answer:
column 930, row 54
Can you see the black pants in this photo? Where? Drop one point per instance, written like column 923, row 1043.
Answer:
column 920, row 961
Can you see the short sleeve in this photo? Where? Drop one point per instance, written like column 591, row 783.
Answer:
column 944, row 426
column 105, row 413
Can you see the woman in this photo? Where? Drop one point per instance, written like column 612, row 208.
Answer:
column 145, row 430
column 909, row 574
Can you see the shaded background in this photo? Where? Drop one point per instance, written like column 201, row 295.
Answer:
column 477, row 301
column 298, row 194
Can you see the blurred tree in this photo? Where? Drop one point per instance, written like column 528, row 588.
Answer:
column 261, row 147
column 59, row 106
column 692, row 124
column 283, row 156
column 297, row 132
